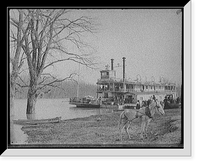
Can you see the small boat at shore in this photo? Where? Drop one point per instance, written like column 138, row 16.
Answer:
column 168, row 105
column 38, row 121
column 85, row 102
column 87, row 105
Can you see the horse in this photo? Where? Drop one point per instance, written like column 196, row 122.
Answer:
column 128, row 115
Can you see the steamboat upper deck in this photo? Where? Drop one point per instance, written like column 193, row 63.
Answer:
column 108, row 86
column 117, row 85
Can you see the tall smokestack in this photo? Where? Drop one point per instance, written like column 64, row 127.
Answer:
column 112, row 64
column 123, row 68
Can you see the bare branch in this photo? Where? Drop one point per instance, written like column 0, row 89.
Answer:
column 14, row 39
column 22, row 86
column 43, row 80
column 17, row 90
column 23, row 70
column 52, row 83
column 21, row 61
column 22, row 81
column 55, row 86
column 14, row 22
column 46, row 50
column 50, row 64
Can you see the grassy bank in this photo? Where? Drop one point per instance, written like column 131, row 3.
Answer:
column 102, row 131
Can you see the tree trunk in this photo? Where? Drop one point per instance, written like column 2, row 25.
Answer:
column 12, row 135
column 12, row 99
column 30, row 110
column 31, row 99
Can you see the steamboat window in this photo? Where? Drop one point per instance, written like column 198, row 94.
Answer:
column 104, row 74
column 127, row 86
column 105, row 95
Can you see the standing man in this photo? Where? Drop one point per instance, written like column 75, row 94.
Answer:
column 154, row 98
column 138, row 105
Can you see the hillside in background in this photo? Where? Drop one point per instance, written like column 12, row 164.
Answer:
column 69, row 89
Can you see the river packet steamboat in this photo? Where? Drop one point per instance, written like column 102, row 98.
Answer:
column 113, row 92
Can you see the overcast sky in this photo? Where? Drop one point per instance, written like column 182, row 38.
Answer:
column 150, row 39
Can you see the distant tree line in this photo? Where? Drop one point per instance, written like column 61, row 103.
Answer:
column 66, row 89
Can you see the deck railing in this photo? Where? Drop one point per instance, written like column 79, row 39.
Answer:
column 130, row 90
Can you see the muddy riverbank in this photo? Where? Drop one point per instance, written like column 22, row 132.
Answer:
column 102, row 131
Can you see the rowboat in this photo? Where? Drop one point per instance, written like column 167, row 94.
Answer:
column 85, row 102
column 39, row 121
column 87, row 105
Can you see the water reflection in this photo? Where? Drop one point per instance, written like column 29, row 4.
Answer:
column 51, row 108
column 31, row 116
column 20, row 136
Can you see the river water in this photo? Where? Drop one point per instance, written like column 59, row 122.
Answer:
column 50, row 108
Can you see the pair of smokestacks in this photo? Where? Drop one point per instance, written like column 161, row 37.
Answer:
column 122, row 67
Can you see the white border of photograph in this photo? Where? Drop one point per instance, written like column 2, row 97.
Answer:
column 168, row 152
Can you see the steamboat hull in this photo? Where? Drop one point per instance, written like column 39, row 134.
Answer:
column 85, row 105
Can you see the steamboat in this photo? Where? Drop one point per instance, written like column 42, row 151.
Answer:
column 113, row 92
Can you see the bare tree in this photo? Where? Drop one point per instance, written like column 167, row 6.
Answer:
column 47, row 36
column 16, row 61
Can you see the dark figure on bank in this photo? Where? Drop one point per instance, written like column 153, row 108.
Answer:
column 154, row 97
column 144, row 103
column 138, row 105
column 178, row 100
column 147, row 110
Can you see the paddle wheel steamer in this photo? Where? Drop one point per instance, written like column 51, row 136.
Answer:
column 113, row 92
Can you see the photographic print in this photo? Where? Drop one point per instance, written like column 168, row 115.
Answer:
column 96, row 78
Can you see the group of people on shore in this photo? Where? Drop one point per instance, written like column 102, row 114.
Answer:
column 169, row 99
column 145, row 103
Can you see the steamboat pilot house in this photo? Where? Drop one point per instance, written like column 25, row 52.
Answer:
column 115, row 91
